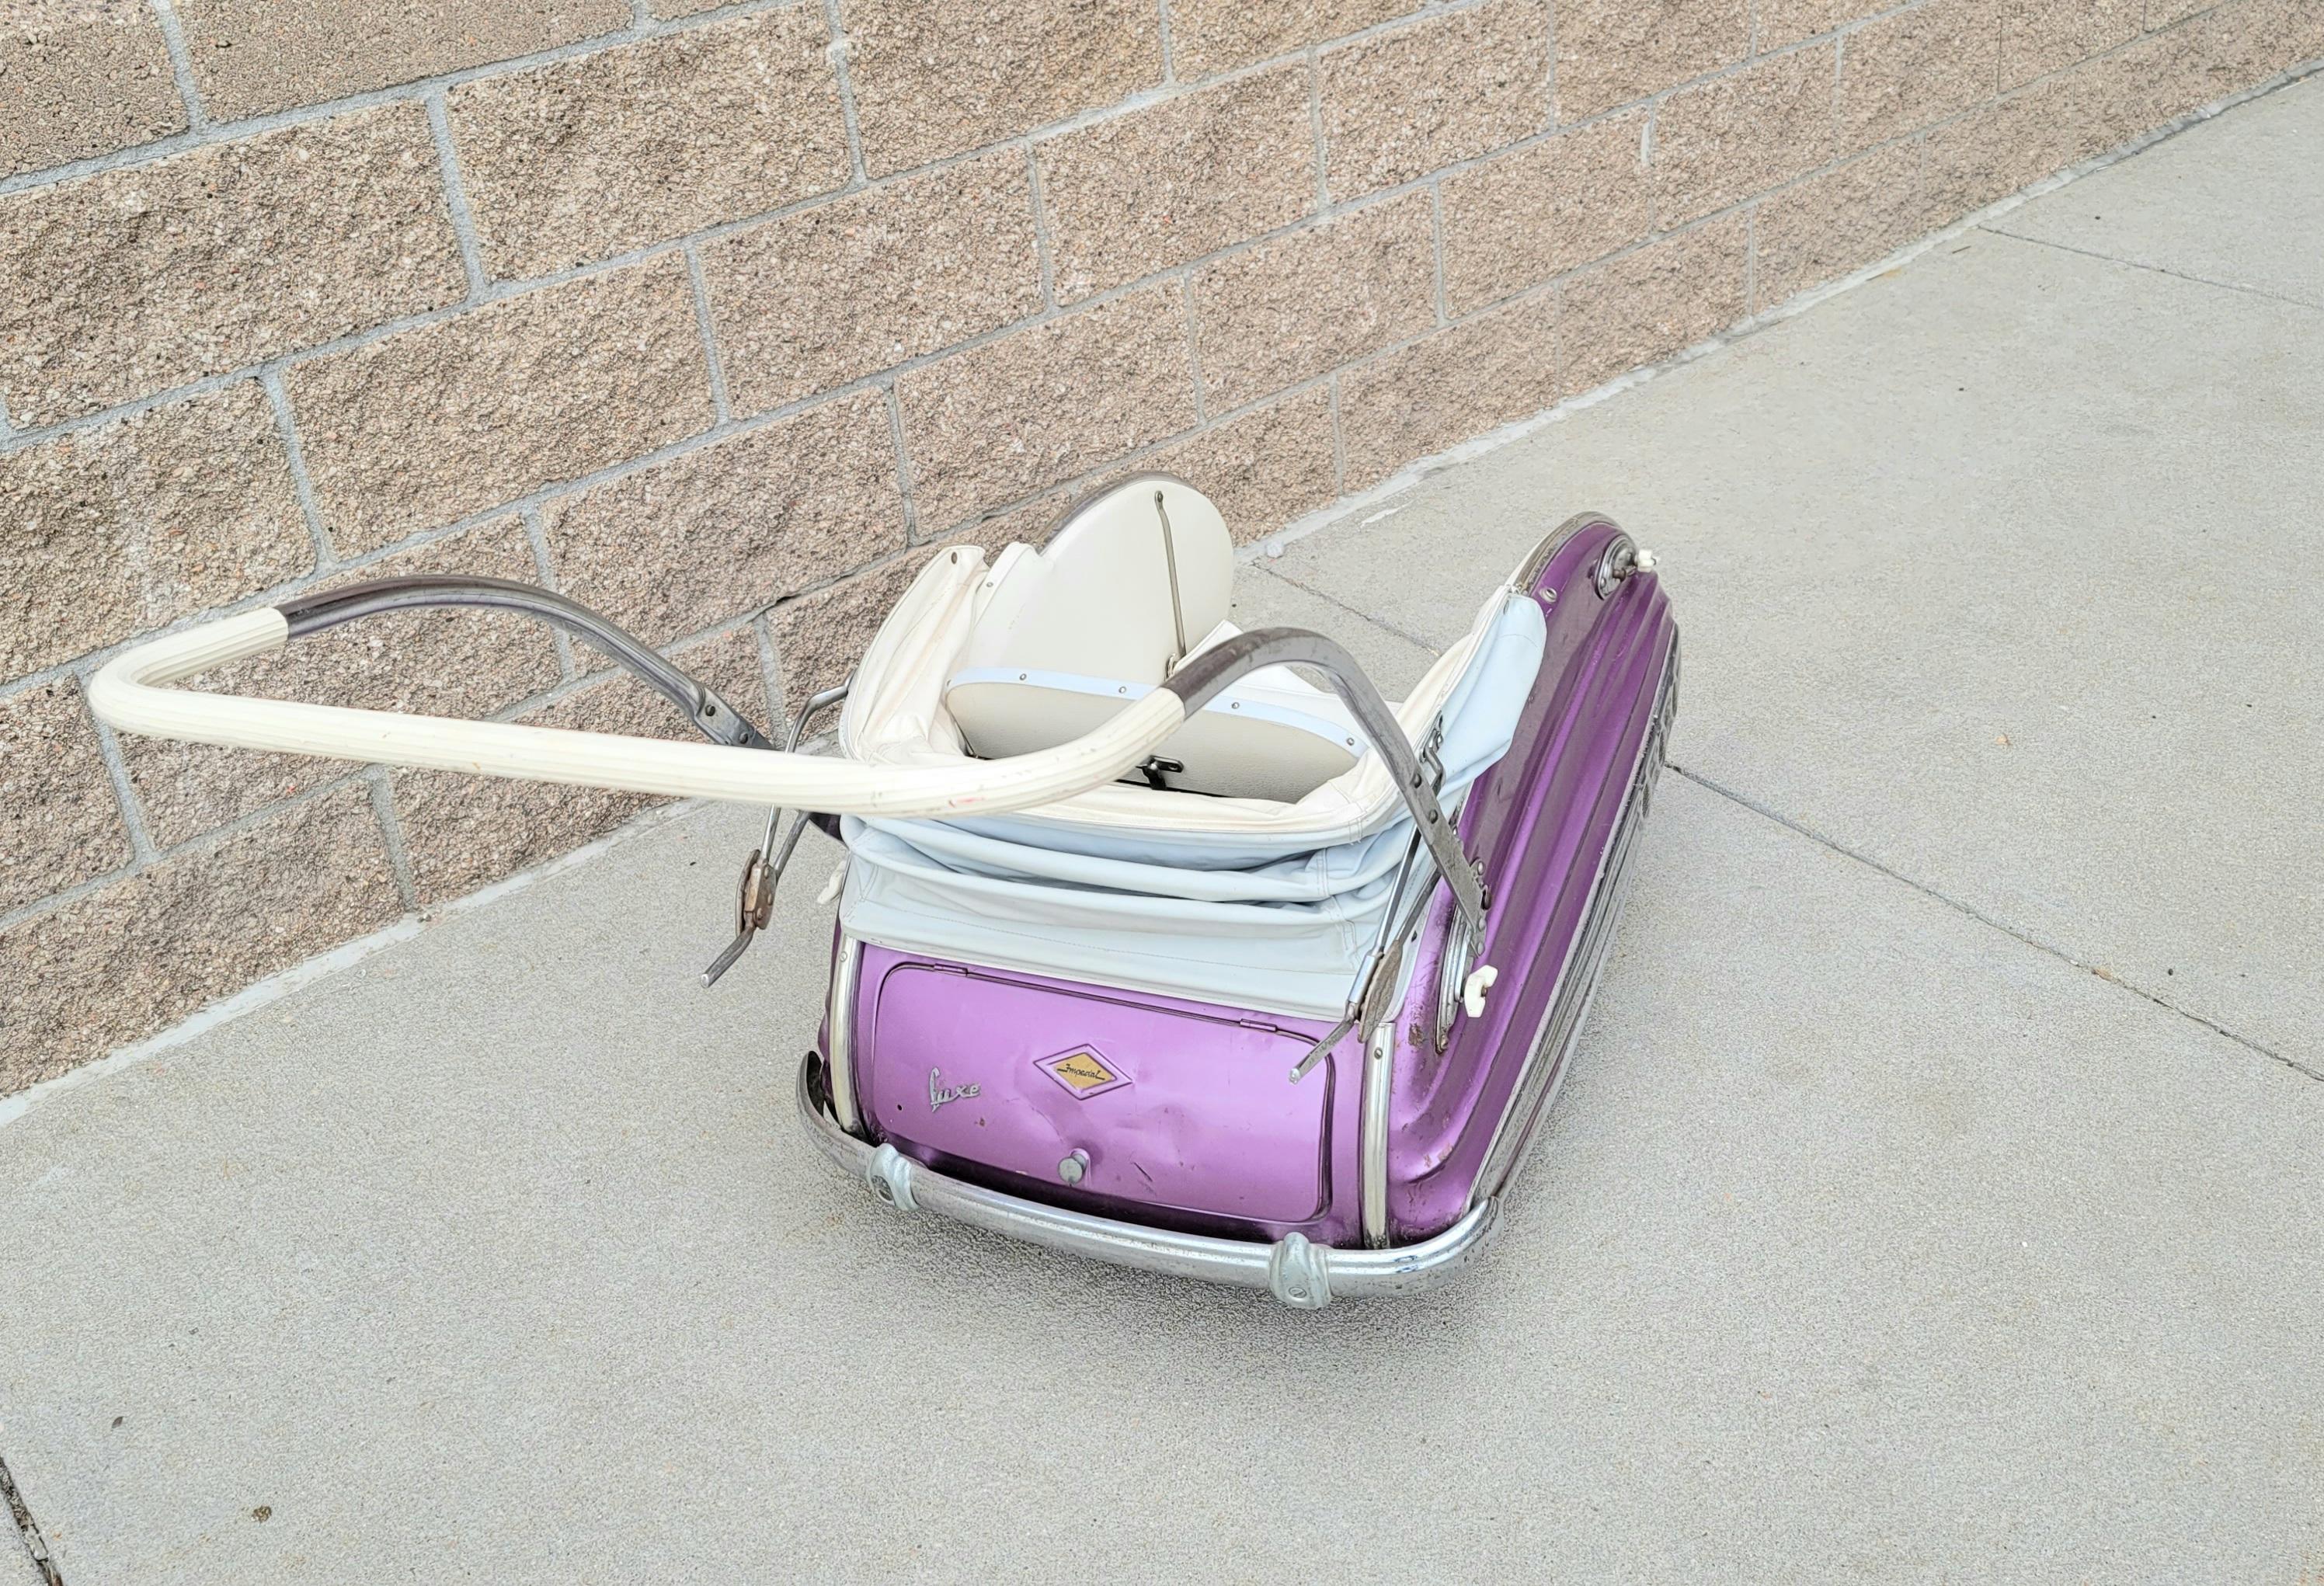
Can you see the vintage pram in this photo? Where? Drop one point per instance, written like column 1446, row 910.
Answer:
column 1148, row 947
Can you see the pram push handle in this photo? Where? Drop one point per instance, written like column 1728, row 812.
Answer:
column 132, row 693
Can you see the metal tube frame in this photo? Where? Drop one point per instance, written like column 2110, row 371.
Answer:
column 712, row 715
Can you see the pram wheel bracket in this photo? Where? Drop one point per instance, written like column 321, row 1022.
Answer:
column 889, row 1174
column 1298, row 1273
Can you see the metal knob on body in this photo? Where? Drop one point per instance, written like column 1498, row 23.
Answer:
column 1074, row 1166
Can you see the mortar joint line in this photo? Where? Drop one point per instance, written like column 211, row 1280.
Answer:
column 1169, row 61
column 895, row 404
column 1316, row 131
column 1044, row 250
column 278, row 400
column 838, row 51
column 142, row 849
column 536, row 534
column 1983, row 918
column 391, row 832
column 1339, row 439
column 1437, row 249
column 455, row 198
column 1194, row 349
column 182, row 65
column 719, row 407
column 770, row 674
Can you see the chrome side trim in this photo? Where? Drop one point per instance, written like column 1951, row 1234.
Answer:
column 1379, row 1063
column 839, row 1015
column 1295, row 1270
column 1577, row 977
column 1528, row 572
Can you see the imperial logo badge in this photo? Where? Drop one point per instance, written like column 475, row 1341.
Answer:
column 1083, row 1073
column 941, row 1093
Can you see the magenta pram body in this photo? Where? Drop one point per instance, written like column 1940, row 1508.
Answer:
column 1173, row 1141
column 1100, row 840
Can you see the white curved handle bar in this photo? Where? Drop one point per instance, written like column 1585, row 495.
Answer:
column 131, row 693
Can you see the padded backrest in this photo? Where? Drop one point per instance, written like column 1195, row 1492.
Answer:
column 1067, row 636
column 1098, row 599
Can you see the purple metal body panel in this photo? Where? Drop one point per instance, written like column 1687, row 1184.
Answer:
column 1208, row 1135
column 1542, row 820
column 1206, row 1127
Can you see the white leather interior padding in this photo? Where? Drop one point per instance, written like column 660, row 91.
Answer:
column 1064, row 637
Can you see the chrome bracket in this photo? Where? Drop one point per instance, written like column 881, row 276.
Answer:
column 889, row 1174
column 761, row 876
column 1298, row 1272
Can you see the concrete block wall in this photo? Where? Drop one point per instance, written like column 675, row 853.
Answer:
column 717, row 316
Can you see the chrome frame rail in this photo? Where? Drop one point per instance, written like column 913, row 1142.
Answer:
column 712, row 715
column 1295, row 1269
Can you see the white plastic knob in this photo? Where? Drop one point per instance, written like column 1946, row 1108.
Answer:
column 1472, row 990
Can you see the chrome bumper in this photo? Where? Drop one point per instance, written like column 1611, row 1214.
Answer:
column 1295, row 1270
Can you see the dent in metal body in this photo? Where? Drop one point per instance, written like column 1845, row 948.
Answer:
column 1302, row 1273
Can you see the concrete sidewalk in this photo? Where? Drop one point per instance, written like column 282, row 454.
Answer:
column 1937, row 1192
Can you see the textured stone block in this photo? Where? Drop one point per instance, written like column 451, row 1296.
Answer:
column 1457, row 383
column 1445, row 88
column 1264, row 468
column 1524, row 216
column 251, row 56
column 2241, row 45
column 584, row 158
column 58, row 823
column 445, row 663
column 430, row 425
column 2162, row 13
column 820, row 637
column 933, row 78
column 730, row 529
column 1787, row 22
column 1718, row 143
column 1612, row 52
column 1906, row 72
column 118, row 530
column 999, row 422
column 1829, row 225
column 80, row 81
column 1131, row 196
column 1208, row 36
column 2040, row 36
column 1644, row 306
column 461, row 833
column 860, row 284
column 1291, row 309
column 131, row 957
column 2063, row 118
column 132, row 282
